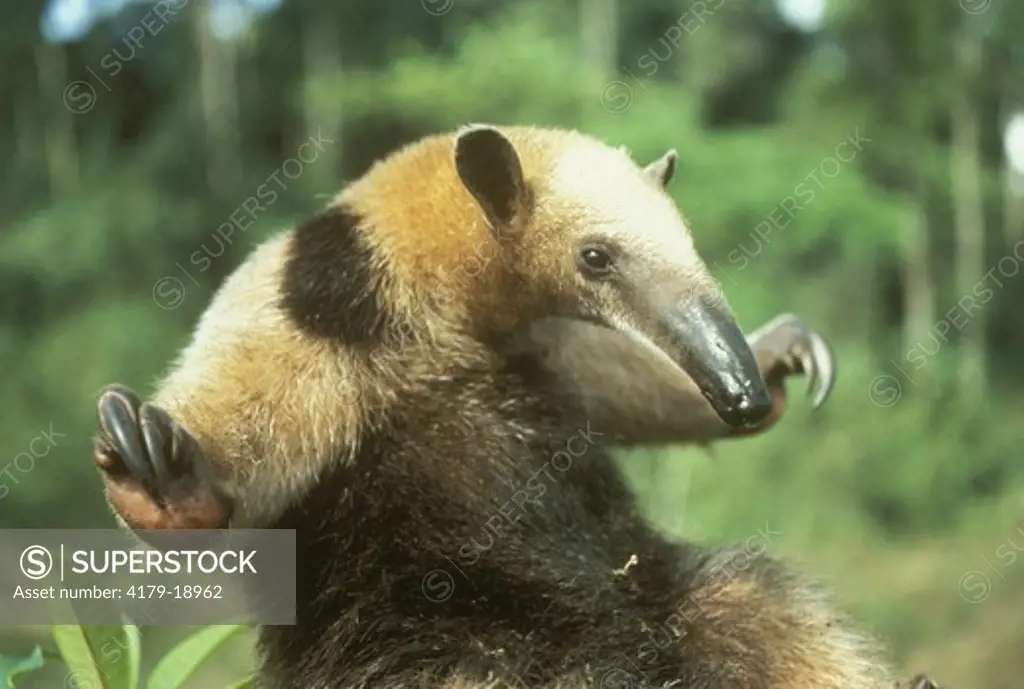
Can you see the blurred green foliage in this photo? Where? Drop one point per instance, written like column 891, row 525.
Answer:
column 110, row 657
column 909, row 477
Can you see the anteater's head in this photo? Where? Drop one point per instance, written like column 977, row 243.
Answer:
column 583, row 232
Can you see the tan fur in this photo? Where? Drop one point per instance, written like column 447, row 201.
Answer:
column 810, row 645
column 245, row 380
column 428, row 225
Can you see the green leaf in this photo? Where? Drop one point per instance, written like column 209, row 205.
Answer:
column 100, row 657
column 133, row 655
column 11, row 668
column 175, row 668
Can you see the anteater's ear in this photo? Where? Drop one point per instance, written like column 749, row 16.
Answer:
column 662, row 169
column 489, row 167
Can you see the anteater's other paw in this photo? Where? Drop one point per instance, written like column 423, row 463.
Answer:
column 785, row 346
column 154, row 470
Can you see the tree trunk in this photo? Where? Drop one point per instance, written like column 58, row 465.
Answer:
column 26, row 130
column 919, row 292
column 58, row 121
column 219, row 99
column 969, row 219
column 599, row 39
column 322, row 58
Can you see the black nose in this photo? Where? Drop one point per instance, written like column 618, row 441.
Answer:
column 710, row 347
column 744, row 405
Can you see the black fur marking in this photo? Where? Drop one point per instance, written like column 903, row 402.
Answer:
column 332, row 284
column 489, row 167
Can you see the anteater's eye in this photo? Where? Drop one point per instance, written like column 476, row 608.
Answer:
column 595, row 262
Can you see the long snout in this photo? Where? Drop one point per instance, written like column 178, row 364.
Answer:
column 702, row 337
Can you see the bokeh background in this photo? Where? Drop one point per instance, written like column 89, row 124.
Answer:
column 858, row 162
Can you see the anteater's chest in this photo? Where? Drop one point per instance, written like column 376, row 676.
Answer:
column 467, row 460
column 471, row 473
column 477, row 514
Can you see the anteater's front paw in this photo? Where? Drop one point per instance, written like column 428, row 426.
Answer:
column 154, row 470
column 785, row 347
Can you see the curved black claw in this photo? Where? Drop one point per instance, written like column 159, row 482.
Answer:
column 143, row 441
column 799, row 349
column 118, row 411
